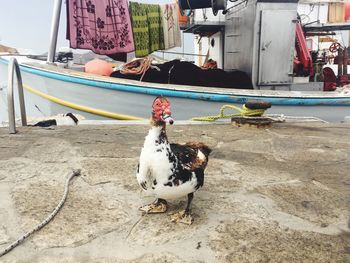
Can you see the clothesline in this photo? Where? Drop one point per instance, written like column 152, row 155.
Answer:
column 118, row 27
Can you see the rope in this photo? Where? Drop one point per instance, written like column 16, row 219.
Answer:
column 47, row 220
column 244, row 111
column 210, row 64
column 138, row 67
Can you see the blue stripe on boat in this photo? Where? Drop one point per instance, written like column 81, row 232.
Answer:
column 239, row 99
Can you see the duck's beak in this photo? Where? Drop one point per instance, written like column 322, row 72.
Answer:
column 167, row 118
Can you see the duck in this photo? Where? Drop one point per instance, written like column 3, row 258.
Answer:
column 169, row 171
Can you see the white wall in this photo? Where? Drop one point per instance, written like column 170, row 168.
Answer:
column 186, row 48
column 311, row 12
column 215, row 53
column 207, row 15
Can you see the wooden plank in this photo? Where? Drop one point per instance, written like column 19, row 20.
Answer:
column 336, row 13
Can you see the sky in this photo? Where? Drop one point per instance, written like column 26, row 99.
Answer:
column 27, row 23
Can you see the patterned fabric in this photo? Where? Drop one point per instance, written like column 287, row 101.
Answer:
column 138, row 14
column 171, row 27
column 102, row 26
column 155, row 25
column 147, row 27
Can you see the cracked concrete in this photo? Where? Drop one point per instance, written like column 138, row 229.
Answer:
column 270, row 195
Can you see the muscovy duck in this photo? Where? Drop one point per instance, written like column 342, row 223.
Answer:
column 170, row 171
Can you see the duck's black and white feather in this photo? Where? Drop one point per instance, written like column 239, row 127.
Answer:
column 171, row 171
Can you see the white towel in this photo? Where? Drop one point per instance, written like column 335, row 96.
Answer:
column 171, row 27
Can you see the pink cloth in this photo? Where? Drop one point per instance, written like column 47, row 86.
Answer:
column 102, row 26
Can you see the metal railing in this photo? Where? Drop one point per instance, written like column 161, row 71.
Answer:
column 12, row 66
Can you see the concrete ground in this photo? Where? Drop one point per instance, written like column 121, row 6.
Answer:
column 270, row 195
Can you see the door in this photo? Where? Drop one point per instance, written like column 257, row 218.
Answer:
column 276, row 48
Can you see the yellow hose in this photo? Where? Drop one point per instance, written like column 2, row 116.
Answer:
column 244, row 111
column 81, row 107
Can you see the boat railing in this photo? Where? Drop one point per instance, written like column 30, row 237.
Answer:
column 12, row 68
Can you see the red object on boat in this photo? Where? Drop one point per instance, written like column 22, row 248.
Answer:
column 347, row 11
column 303, row 52
column 183, row 19
column 99, row 67
column 211, row 64
column 343, row 80
column 330, row 80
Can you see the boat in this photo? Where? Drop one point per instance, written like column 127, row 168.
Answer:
column 50, row 89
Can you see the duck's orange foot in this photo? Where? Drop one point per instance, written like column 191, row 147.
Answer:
column 182, row 217
column 154, row 208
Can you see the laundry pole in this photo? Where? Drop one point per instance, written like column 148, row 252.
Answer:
column 54, row 31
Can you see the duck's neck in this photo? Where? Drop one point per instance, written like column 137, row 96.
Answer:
column 157, row 135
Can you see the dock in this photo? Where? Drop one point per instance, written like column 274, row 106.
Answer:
column 278, row 194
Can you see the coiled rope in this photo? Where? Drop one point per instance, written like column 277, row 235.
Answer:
column 244, row 111
column 138, row 67
column 47, row 220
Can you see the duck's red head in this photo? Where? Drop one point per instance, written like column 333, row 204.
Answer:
column 161, row 112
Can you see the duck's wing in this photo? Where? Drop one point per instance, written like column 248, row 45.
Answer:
column 191, row 155
column 193, row 158
column 185, row 154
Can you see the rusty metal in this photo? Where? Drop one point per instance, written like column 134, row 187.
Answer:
column 345, row 62
column 258, row 122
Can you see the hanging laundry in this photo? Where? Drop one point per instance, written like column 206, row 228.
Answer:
column 147, row 27
column 171, row 27
column 102, row 26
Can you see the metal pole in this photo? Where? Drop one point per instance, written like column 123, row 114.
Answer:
column 178, row 53
column 340, row 62
column 21, row 95
column 54, row 31
column 10, row 100
column 13, row 64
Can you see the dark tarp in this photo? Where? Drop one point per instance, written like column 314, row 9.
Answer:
column 186, row 73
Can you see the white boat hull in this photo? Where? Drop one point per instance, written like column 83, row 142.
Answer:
column 137, row 104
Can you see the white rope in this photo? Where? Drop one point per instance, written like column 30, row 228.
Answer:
column 47, row 220
column 283, row 118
